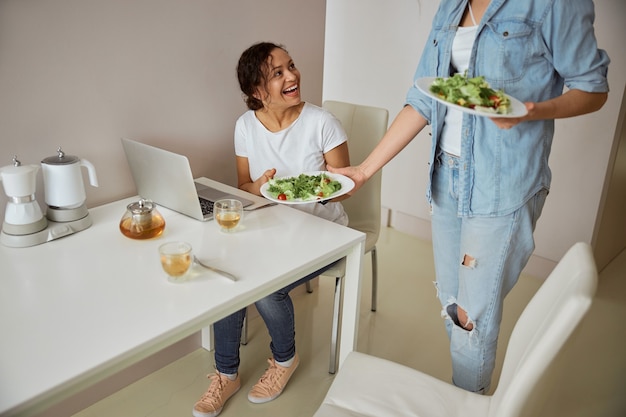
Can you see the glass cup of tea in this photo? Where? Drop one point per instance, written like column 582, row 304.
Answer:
column 228, row 214
column 176, row 258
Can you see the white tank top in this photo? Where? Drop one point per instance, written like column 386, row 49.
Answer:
column 461, row 49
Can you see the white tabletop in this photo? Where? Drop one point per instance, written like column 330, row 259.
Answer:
column 78, row 309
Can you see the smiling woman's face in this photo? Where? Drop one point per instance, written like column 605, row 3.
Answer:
column 283, row 82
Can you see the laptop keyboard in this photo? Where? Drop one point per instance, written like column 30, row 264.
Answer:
column 207, row 206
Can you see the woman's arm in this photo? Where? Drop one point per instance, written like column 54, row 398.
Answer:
column 407, row 124
column 569, row 104
column 339, row 156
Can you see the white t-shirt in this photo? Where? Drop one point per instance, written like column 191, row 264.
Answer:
column 461, row 49
column 297, row 149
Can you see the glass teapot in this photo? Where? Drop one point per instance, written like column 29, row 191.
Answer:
column 142, row 220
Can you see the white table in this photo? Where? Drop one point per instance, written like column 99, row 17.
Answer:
column 76, row 310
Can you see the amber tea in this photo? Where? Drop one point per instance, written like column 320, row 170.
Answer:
column 176, row 258
column 175, row 265
column 228, row 219
column 228, row 214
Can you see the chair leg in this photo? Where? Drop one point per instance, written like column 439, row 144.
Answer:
column 244, row 330
column 374, row 279
column 335, row 337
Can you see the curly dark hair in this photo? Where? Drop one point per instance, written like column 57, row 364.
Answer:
column 252, row 71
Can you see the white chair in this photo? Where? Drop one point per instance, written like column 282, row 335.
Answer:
column 364, row 126
column 370, row 386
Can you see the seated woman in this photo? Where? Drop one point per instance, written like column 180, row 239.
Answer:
column 279, row 135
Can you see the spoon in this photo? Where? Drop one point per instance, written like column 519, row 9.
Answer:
column 212, row 268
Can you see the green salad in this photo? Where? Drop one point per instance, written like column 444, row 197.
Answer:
column 304, row 187
column 474, row 93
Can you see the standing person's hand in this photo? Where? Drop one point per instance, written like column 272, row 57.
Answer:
column 572, row 103
column 352, row 172
column 509, row 122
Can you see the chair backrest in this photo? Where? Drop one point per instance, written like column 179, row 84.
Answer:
column 543, row 328
column 365, row 126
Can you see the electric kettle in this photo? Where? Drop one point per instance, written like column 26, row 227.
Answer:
column 63, row 180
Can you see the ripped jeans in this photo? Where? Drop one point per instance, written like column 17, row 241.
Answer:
column 478, row 260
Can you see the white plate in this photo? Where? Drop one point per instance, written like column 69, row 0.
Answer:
column 346, row 186
column 518, row 109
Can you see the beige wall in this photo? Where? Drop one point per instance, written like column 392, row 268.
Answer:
column 81, row 74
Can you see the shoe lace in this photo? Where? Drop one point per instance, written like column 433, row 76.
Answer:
column 213, row 395
column 271, row 377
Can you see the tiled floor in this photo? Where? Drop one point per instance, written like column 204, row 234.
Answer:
column 588, row 378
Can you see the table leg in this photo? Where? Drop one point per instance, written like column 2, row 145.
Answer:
column 351, row 302
column 207, row 337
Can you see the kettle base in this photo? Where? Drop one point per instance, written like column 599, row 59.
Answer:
column 57, row 214
column 54, row 230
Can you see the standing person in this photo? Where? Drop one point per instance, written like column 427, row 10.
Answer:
column 279, row 135
column 489, row 177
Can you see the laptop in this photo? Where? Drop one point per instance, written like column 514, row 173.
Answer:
column 165, row 178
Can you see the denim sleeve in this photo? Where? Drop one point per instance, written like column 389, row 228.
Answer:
column 430, row 63
column 420, row 102
column 573, row 45
column 414, row 97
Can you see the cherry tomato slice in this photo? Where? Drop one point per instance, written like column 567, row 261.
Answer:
column 282, row 197
column 496, row 100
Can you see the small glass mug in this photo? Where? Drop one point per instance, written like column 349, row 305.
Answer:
column 176, row 258
column 228, row 214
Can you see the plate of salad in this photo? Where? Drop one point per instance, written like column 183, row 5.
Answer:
column 471, row 95
column 309, row 187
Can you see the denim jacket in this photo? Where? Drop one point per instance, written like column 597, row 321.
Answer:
column 531, row 49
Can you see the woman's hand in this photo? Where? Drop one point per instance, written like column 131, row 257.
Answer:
column 267, row 175
column 569, row 104
column 246, row 183
column 509, row 122
column 354, row 173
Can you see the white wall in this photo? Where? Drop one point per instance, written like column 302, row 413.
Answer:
column 81, row 74
column 372, row 49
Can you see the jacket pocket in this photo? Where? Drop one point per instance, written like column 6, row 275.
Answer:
column 506, row 48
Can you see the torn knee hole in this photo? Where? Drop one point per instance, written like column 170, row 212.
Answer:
column 469, row 261
column 464, row 319
column 459, row 316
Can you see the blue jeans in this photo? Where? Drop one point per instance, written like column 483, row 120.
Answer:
column 478, row 260
column 278, row 314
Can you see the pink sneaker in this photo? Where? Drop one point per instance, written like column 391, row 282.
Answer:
column 219, row 391
column 273, row 382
